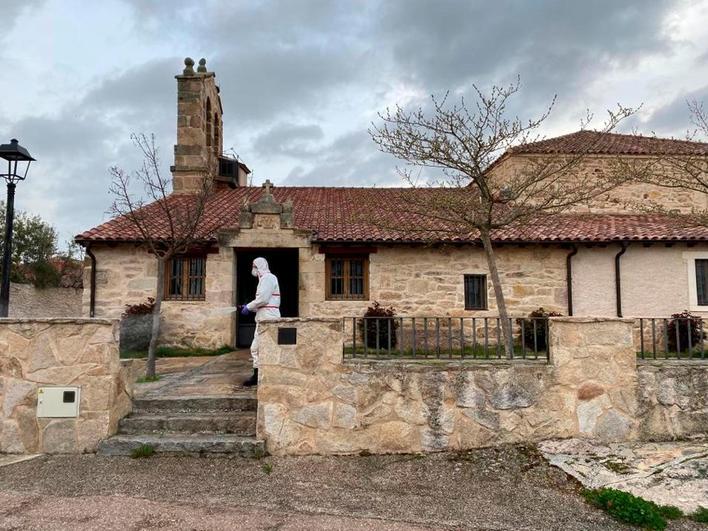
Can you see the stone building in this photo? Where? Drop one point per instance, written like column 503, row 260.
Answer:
column 334, row 260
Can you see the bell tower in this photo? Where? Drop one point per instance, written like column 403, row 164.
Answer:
column 200, row 133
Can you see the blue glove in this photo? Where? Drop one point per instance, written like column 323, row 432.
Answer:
column 245, row 310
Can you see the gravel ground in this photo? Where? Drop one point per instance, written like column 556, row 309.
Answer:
column 492, row 489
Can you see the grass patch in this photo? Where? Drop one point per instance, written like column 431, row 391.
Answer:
column 267, row 468
column 670, row 512
column 631, row 509
column 177, row 352
column 143, row 451
column 618, row 467
column 148, row 379
column 701, row 515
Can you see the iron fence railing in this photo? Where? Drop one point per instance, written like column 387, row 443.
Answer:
column 677, row 338
column 444, row 338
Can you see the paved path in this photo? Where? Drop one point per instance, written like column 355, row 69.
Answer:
column 198, row 376
column 493, row 489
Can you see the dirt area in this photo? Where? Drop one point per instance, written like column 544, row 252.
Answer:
column 506, row 488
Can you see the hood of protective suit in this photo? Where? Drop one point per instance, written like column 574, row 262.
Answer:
column 261, row 265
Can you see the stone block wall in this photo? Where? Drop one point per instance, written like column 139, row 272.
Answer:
column 127, row 274
column 27, row 302
column 60, row 352
column 311, row 400
column 614, row 201
column 429, row 281
column 673, row 399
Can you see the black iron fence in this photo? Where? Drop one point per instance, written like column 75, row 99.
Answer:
column 677, row 338
column 444, row 338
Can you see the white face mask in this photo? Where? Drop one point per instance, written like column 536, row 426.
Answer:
column 254, row 272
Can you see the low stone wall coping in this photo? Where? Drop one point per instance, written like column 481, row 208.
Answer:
column 60, row 320
column 591, row 320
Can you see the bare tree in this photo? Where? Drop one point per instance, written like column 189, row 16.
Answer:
column 472, row 199
column 168, row 224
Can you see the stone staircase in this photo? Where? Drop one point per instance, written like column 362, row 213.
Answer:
column 197, row 426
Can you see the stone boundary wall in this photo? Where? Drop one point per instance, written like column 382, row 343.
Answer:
column 310, row 400
column 673, row 399
column 28, row 302
column 60, row 352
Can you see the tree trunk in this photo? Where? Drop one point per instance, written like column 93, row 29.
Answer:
column 507, row 337
column 159, row 294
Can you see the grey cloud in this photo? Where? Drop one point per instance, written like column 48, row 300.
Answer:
column 674, row 118
column 11, row 10
column 76, row 147
column 144, row 86
column 271, row 57
column 263, row 85
column 71, row 173
column 350, row 160
column 554, row 45
column 288, row 140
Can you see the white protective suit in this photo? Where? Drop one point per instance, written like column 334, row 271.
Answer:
column 267, row 301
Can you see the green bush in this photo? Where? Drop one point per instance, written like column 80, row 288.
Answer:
column 701, row 515
column 628, row 508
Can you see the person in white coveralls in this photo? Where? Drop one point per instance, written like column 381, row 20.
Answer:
column 266, row 306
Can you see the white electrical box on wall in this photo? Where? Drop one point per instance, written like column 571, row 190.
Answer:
column 58, row 402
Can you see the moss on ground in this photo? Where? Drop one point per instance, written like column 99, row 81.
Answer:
column 177, row 352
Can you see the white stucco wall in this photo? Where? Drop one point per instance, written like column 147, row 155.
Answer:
column 655, row 280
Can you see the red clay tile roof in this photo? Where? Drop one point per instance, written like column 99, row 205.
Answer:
column 345, row 215
column 596, row 143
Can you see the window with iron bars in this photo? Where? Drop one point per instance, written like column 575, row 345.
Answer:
column 475, row 292
column 702, row 281
column 185, row 278
column 347, row 277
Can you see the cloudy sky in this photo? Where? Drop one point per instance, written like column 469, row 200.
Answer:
column 302, row 80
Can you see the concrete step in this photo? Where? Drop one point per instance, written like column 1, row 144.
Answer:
column 198, row 404
column 184, row 444
column 239, row 423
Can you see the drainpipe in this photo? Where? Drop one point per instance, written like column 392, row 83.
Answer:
column 618, row 281
column 92, row 304
column 569, row 277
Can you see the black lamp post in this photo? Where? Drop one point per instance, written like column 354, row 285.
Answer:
column 18, row 163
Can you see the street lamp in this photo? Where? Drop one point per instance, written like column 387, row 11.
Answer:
column 18, row 163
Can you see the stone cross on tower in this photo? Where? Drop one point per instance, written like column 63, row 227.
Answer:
column 267, row 185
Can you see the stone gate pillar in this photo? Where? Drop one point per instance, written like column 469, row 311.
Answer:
column 595, row 367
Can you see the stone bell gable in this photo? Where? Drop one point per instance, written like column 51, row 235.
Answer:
column 266, row 222
column 200, row 133
column 266, row 213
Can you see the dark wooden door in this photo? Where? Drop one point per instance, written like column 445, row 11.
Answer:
column 283, row 263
